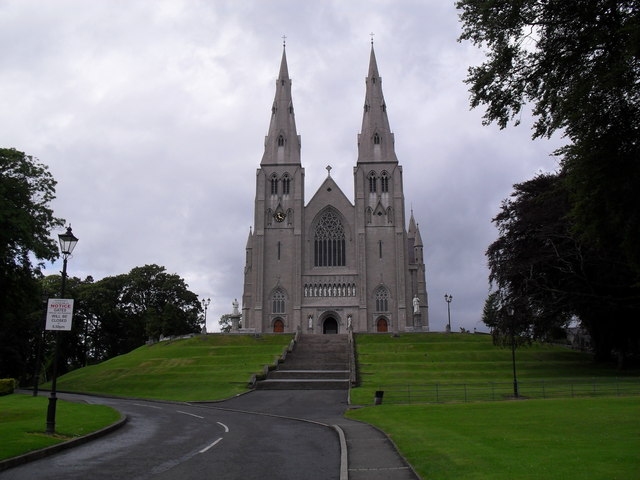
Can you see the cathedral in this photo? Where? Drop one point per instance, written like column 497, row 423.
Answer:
column 334, row 264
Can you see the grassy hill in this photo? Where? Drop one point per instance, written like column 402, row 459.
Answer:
column 440, row 358
column 553, row 439
column 210, row 367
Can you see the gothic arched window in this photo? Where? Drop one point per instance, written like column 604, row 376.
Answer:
column 277, row 301
column 286, row 184
column 329, row 241
column 382, row 299
column 372, row 182
column 376, row 139
column 384, row 182
column 281, row 141
column 274, row 184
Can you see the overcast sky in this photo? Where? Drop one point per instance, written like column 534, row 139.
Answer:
column 151, row 115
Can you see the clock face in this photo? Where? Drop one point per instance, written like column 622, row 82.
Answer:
column 279, row 216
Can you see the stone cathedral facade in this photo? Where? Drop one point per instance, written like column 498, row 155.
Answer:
column 333, row 264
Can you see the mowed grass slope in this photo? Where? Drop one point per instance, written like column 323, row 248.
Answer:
column 581, row 438
column 421, row 359
column 23, row 421
column 560, row 438
column 210, row 367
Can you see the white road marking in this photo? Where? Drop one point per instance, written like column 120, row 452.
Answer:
column 187, row 413
column 148, row 406
column 226, row 429
column 212, row 445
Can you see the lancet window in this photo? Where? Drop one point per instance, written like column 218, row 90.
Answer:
column 384, row 182
column 373, row 182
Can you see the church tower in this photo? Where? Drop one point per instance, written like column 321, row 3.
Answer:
column 274, row 248
column 333, row 265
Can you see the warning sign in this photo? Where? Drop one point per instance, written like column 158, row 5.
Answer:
column 59, row 314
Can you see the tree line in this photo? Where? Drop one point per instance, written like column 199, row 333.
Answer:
column 111, row 316
column 569, row 241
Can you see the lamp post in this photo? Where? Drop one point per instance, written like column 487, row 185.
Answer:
column 67, row 243
column 510, row 311
column 448, row 298
column 205, row 304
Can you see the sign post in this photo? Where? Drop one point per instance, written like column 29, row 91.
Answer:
column 59, row 314
column 59, row 317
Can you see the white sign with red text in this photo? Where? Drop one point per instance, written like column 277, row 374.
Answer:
column 59, row 314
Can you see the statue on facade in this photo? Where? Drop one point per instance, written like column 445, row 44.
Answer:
column 416, row 305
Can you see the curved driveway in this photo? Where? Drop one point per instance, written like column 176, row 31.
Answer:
column 204, row 441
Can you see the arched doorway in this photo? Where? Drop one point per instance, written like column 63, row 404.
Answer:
column 382, row 325
column 278, row 326
column 330, row 326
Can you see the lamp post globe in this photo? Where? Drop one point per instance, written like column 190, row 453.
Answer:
column 205, row 305
column 448, row 298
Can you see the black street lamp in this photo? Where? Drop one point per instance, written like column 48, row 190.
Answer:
column 205, row 304
column 67, row 243
column 448, row 298
column 510, row 311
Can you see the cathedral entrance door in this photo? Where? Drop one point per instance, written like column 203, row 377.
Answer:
column 330, row 326
column 382, row 325
column 278, row 326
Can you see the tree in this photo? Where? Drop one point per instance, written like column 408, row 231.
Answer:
column 577, row 63
column 549, row 276
column 26, row 220
column 226, row 324
column 161, row 301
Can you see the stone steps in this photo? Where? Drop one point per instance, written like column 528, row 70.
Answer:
column 318, row 362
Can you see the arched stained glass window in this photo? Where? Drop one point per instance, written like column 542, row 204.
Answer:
column 277, row 302
column 329, row 241
column 382, row 300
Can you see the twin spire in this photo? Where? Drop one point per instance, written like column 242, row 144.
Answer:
column 282, row 143
column 375, row 141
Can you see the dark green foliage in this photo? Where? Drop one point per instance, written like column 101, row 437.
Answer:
column 117, row 314
column 7, row 385
column 26, row 220
column 549, row 275
column 577, row 63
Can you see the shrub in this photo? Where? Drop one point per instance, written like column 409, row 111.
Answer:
column 7, row 385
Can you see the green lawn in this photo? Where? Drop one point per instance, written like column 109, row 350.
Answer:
column 421, row 359
column 23, row 422
column 586, row 438
column 210, row 367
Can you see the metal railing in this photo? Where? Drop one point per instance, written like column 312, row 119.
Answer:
column 494, row 391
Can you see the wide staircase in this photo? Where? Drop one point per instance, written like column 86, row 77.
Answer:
column 318, row 362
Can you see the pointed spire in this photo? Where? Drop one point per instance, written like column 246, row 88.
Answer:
column 375, row 141
column 250, row 239
column 411, row 233
column 282, row 143
column 418, row 242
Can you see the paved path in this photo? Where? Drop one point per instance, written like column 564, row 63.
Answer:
column 371, row 454
column 167, row 441
column 171, row 440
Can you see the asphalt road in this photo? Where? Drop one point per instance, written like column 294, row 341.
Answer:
column 179, row 441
